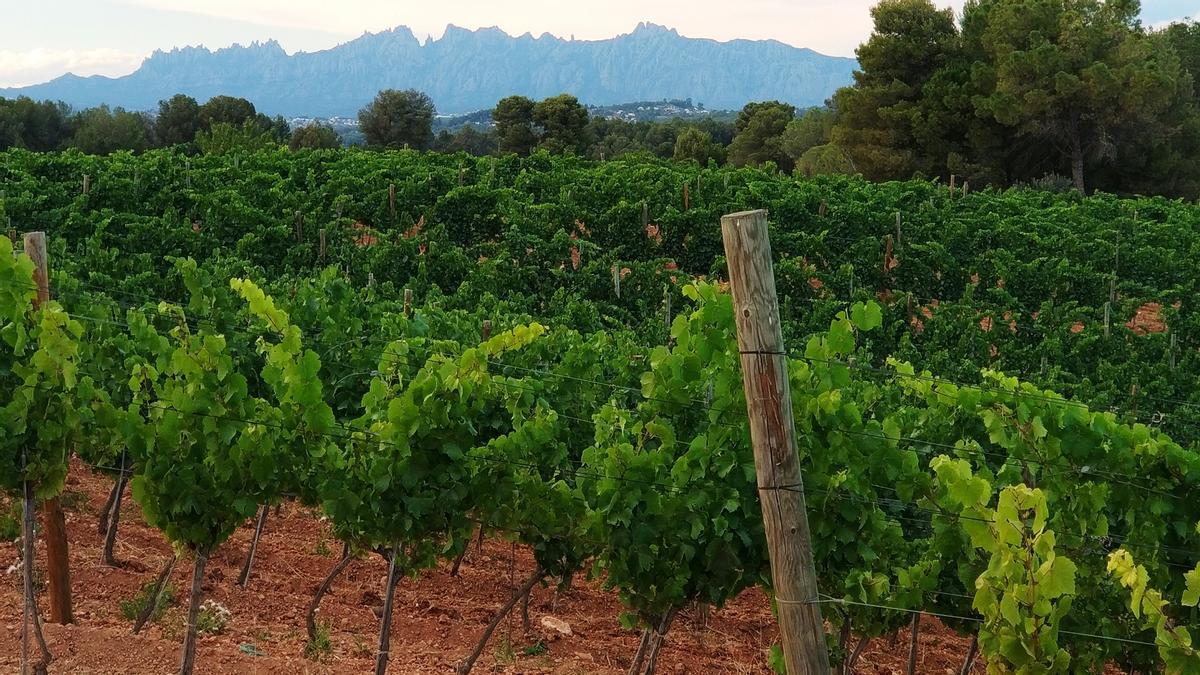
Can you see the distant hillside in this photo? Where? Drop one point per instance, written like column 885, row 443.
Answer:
column 470, row 70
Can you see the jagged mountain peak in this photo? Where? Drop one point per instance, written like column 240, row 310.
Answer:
column 470, row 69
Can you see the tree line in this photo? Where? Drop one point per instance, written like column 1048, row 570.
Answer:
column 46, row 126
column 1075, row 92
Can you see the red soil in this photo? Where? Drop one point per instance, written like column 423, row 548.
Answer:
column 436, row 622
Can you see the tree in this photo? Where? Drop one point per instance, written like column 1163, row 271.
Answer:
column 178, row 120
column 1070, row 72
column 759, row 138
column 226, row 110
column 881, row 117
column 314, row 137
column 513, row 117
column 694, row 145
column 101, row 131
column 467, row 139
column 40, row 126
column 808, row 131
column 823, row 160
column 563, row 120
column 276, row 127
column 225, row 138
column 397, row 119
column 1184, row 39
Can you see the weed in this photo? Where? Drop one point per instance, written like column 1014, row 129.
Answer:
column 130, row 609
column 212, row 618
column 361, row 648
column 504, row 651
column 320, row 645
column 10, row 521
column 323, row 548
column 536, row 649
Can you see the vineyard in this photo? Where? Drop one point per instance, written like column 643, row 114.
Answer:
column 993, row 392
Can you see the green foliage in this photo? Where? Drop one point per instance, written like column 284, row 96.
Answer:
column 513, row 117
column 314, row 137
column 40, row 126
column 673, row 493
column 1174, row 641
column 1027, row 587
column 696, row 145
column 178, row 121
column 760, row 135
column 231, row 110
column 562, row 120
column 47, row 406
column 1021, row 90
column 223, row 138
column 10, row 520
column 398, row 119
column 321, row 645
column 882, row 122
column 101, row 131
column 808, row 131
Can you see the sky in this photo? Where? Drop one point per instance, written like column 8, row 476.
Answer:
column 42, row 40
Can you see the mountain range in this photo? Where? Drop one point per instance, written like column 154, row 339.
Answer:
column 467, row 70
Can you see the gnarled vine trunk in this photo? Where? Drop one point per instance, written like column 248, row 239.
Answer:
column 522, row 592
column 155, row 594
column 113, row 521
column 313, row 606
column 244, row 577
column 385, row 629
column 188, row 660
column 31, row 618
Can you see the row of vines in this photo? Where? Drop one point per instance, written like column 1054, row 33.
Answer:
column 230, row 332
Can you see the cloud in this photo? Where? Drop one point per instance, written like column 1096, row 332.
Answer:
column 18, row 69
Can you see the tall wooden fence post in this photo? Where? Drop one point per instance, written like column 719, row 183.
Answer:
column 772, row 431
column 58, row 570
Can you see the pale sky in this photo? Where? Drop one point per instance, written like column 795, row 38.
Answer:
column 42, row 39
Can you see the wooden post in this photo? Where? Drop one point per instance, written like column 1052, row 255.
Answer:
column 897, row 230
column 322, row 253
column 408, row 302
column 616, row 274
column 772, row 431
column 685, row 197
column 645, row 214
column 58, row 570
column 952, row 179
column 87, row 183
column 1107, row 318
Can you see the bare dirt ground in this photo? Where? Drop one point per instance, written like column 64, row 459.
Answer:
column 436, row 622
